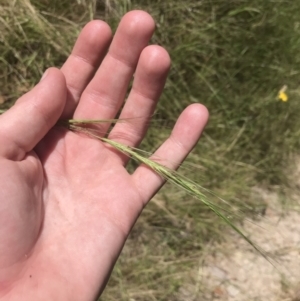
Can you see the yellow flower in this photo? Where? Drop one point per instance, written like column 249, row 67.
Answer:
column 282, row 94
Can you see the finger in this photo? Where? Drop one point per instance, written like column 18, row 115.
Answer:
column 105, row 93
column 149, row 80
column 174, row 150
column 34, row 114
column 86, row 56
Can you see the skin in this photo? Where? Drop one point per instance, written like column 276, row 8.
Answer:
column 67, row 204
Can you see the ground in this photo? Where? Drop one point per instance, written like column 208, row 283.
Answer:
column 234, row 271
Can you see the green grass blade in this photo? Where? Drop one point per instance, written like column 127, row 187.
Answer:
column 175, row 178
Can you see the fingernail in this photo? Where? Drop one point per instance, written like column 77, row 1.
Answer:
column 44, row 75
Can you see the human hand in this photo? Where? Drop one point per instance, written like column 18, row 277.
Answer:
column 67, row 204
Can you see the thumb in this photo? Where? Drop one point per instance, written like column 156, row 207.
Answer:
column 33, row 115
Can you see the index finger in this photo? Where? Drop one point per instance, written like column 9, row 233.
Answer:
column 84, row 60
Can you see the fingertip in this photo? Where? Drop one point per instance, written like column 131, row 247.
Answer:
column 52, row 90
column 190, row 125
column 93, row 36
column 198, row 112
column 155, row 59
column 96, row 27
column 132, row 36
column 152, row 70
column 54, row 75
column 138, row 19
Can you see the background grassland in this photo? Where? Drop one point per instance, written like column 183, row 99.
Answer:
column 231, row 55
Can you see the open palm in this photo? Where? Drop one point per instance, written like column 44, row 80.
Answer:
column 67, row 204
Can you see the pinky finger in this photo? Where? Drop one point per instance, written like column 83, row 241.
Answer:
column 173, row 151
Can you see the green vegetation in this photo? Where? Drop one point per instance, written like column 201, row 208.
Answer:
column 234, row 56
